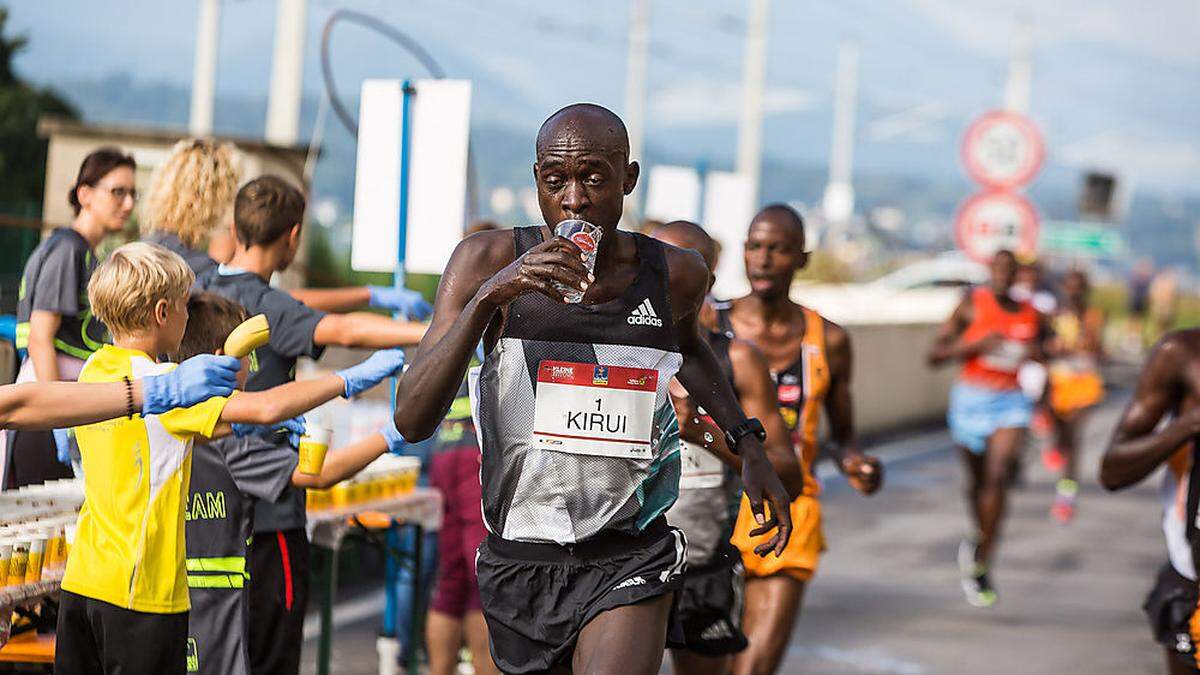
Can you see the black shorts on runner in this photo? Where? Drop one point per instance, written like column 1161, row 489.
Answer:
column 538, row 597
column 710, row 605
column 1171, row 608
column 96, row 637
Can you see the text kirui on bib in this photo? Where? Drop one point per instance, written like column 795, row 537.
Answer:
column 589, row 409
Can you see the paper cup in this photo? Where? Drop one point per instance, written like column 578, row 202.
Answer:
column 5, row 560
column 37, row 556
column 313, row 446
column 18, row 562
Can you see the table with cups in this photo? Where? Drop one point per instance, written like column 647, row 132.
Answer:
column 37, row 528
column 372, row 506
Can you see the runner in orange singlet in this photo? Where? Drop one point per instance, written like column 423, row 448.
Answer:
column 992, row 335
column 810, row 359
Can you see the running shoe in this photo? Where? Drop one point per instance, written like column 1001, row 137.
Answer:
column 1063, row 509
column 975, row 582
column 1053, row 459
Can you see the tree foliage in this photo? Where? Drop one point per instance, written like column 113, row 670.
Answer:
column 22, row 153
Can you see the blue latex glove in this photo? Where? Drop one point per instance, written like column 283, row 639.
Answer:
column 62, row 444
column 409, row 303
column 378, row 366
column 294, row 428
column 395, row 441
column 195, row 380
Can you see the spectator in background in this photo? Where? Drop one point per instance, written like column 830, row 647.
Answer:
column 1139, row 301
column 55, row 323
column 190, row 196
column 1163, row 303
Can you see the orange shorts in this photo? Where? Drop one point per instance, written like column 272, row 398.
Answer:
column 803, row 551
column 1071, row 391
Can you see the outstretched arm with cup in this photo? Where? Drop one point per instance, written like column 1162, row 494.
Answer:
column 344, row 462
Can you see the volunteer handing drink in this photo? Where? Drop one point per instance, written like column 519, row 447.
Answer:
column 587, row 237
column 313, row 446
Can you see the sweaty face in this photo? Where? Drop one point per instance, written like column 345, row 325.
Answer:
column 773, row 255
column 579, row 179
column 1004, row 272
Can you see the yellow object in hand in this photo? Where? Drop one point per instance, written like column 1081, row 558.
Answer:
column 248, row 336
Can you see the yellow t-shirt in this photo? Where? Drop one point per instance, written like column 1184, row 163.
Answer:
column 129, row 548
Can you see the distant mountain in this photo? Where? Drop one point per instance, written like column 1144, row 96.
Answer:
column 921, row 180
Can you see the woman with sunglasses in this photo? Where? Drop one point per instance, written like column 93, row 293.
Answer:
column 55, row 325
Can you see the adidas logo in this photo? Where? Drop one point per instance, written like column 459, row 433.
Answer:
column 718, row 631
column 631, row 581
column 644, row 315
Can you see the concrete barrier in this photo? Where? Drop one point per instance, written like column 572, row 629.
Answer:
column 891, row 385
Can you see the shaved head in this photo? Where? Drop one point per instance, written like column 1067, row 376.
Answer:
column 787, row 217
column 686, row 234
column 583, row 126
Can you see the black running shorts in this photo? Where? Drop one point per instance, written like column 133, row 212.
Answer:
column 96, row 637
column 538, row 597
column 710, row 605
column 1171, row 608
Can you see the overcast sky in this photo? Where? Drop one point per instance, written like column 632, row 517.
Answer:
column 1116, row 82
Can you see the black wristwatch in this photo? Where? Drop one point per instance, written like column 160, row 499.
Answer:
column 749, row 426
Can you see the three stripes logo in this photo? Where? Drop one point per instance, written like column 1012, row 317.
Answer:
column 644, row 315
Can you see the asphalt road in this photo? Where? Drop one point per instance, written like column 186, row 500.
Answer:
column 886, row 599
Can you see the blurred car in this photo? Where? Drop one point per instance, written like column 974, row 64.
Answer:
column 926, row 291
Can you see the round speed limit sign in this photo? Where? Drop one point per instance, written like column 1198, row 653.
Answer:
column 994, row 220
column 1002, row 149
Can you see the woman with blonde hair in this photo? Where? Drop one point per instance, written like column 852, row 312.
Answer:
column 190, row 196
column 191, row 201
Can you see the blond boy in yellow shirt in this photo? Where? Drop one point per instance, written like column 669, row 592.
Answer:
column 125, row 597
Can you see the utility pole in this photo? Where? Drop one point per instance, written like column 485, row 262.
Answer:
column 204, row 70
column 635, row 101
column 754, row 75
column 1020, row 69
column 287, row 72
column 838, row 202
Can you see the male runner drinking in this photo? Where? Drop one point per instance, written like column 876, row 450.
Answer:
column 1169, row 386
column 810, row 358
column 710, row 601
column 580, row 448
column 992, row 335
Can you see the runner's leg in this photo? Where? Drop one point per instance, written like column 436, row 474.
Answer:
column 974, row 465
column 684, row 662
column 1002, row 451
column 772, row 605
column 443, row 637
column 477, row 641
column 626, row 640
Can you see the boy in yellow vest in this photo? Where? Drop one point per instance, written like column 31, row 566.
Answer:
column 124, row 603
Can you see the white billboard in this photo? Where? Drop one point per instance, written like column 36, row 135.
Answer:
column 437, row 176
column 673, row 194
column 728, row 207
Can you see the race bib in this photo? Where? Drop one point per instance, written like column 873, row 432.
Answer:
column 586, row 409
column 699, row 468
column 1007, row 357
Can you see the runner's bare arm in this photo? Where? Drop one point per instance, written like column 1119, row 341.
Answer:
column 756, row 392
column 863, row 471
column 701, row 375
column 948, row 345
column 1136, row 448
column 480, row 280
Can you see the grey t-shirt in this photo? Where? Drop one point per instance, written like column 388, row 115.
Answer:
column 195, row 258
column 229, row 476
column 55, row 280
column 292, row 327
